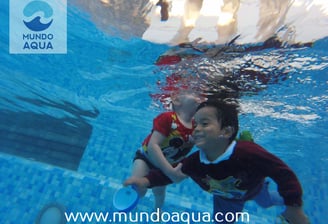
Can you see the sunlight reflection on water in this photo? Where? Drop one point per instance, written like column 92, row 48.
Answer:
column 214, row 21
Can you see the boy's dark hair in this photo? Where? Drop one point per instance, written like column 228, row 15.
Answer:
column 227, row 114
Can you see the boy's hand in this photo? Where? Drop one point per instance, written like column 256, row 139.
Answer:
column 140, row 183
column 295, row 215
column 176, row 175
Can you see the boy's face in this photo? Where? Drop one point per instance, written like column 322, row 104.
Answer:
column 207, row 130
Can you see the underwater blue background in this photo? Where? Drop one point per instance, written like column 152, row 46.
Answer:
column 103, row 84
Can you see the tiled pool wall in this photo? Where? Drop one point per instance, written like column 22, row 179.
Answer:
column 27, row 186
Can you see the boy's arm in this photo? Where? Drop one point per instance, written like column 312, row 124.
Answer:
column 158, row 178
column 290, row 189
column 271, row 166
column 153, row 179
column 295, row 215
column 289, row 186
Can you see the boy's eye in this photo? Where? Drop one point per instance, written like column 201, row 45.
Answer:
column 204, row 123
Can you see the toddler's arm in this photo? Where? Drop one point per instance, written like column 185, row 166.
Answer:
column 157, row 157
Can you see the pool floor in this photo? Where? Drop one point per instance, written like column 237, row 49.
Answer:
column 41, row 184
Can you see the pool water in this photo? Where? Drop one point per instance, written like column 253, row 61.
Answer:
column 70, row 123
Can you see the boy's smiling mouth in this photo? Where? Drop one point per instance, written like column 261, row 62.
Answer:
column 197, row 138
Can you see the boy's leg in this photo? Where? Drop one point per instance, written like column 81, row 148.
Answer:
column 266, row 198
column 159, row 194
column 222, row 206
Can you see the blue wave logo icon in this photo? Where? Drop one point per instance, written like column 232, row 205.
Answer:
column 35, row 10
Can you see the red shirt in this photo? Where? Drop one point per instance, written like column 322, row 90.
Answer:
column 177, row 143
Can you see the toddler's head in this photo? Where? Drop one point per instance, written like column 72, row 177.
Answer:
column 186, row 100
